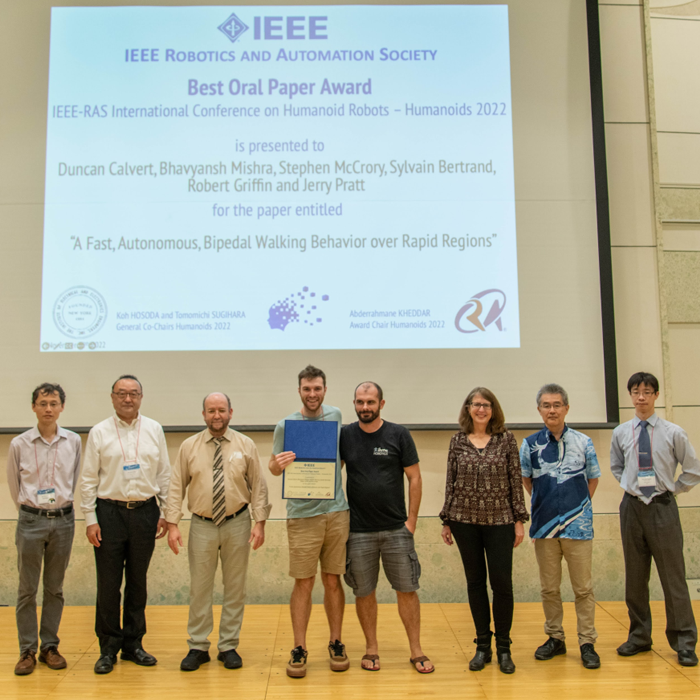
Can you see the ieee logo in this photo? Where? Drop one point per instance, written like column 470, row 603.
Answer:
column 233, row 27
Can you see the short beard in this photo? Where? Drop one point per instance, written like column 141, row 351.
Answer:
column 372, row 417
column 222, row 429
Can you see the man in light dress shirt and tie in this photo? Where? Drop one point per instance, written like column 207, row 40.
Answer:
column 124, row 487
column 42, row 472
column 221, row 468
column 644, row 455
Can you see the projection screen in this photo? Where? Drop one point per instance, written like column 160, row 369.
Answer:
column 213, row 197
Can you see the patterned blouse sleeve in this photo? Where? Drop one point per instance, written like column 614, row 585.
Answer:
column 517, row 497
column 449, row 480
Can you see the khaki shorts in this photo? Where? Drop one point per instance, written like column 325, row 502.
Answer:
column 321, row 537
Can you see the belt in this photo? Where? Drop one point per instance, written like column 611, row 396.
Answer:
column 55, row 513
column 129, row 505
column 228, row 517
column 664, row 497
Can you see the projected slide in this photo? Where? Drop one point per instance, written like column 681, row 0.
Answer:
column 278, row 178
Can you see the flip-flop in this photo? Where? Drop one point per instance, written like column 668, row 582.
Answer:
column 373, row 658
column 421, row 660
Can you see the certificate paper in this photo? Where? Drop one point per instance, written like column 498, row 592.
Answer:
column 315, row 480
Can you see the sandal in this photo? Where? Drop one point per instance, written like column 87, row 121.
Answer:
column 374, row 658
column 421, row 660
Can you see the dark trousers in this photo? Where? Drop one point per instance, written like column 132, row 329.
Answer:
column 648, row 531
column 128, row 541
column 496, row 542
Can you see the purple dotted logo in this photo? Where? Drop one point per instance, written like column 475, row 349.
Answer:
column 299, row 307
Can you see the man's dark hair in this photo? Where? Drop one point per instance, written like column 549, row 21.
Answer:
column 380, row 393
column 311, row 372
column 128, row 376
column 643, row 378
column 204, row 400
column 46, row 389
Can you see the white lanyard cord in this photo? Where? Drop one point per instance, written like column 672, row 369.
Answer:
column 138, row 437
column 48, row 456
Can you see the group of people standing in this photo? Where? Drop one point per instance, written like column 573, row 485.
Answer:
column 131, row 497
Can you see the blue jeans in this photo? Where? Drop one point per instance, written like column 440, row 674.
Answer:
column 48, row 540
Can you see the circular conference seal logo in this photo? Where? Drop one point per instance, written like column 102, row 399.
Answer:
column 80, row 312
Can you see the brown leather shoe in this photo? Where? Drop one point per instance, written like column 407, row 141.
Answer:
column 26, row 663
column 52, row 658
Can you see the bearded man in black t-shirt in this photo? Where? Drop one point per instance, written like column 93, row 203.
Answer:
column 377, row 455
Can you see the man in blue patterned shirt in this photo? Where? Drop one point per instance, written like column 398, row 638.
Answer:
column 560, row 471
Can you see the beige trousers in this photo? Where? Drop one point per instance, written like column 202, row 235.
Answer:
column 206, row 544
column 579, row 558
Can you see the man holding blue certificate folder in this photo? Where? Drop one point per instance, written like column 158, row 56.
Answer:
column 305, row 450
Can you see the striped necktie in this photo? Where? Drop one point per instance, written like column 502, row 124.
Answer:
column 218, row 511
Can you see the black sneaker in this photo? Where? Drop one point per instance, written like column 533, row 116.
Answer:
column 194, row 659
column 231, row 658
column 551, row 648
column 589, row 657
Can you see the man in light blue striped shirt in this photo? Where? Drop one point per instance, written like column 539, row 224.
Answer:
column 644, row 455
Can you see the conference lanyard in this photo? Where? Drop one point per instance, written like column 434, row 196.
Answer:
column 48, row 457
column 138, row 437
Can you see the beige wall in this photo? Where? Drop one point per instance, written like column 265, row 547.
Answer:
column 675, row 40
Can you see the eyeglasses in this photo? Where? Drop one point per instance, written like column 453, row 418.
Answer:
column 477, row 406
column 647, row 393
column 121, row 395
column 555, row 406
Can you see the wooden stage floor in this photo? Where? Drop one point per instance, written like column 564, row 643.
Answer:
column 267, row 639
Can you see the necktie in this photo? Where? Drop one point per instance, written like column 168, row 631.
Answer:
column 218, row 511
column 646, row 477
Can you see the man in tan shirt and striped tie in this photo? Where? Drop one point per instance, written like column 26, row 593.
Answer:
column 227, row 488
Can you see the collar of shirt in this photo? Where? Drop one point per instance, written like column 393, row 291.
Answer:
column 36, row 435
column 226, row 436
column 550, row 435
column 652, row 420
column 123, row 424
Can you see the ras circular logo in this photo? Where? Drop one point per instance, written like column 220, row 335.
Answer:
column 481, row 311
column 80, row 312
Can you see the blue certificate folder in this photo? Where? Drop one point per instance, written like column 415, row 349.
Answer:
column 313, row 443
column 311, row 440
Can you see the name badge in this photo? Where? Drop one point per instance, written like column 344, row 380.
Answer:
column 132, row 471
column 46, row 496
column 647, row 480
